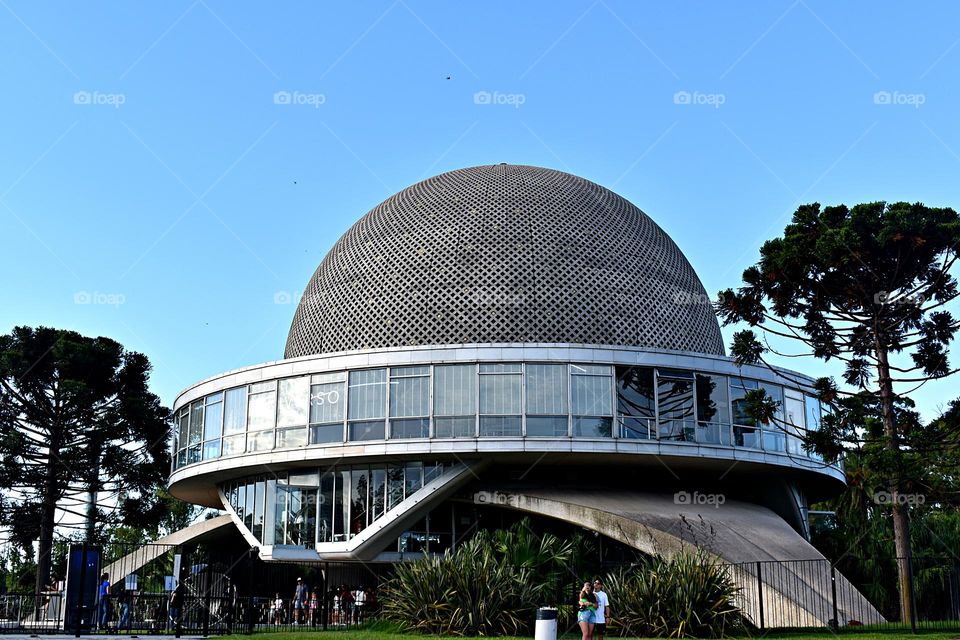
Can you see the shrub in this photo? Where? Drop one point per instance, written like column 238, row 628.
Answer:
column 689, row 595
column 491, row 585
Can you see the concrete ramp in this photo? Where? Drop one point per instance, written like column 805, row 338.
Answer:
column 797, row 585
column 130, row 563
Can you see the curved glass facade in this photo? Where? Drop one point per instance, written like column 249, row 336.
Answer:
column 489, row 400
column 304, row 508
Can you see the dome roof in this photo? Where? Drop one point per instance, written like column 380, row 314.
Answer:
column 504, row 254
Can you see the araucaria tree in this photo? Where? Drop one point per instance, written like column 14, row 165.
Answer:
column 868, row 286
column 77, row 423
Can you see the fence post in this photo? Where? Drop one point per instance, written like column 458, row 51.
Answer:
column 323, row 594
column 835, row 621
column 206, row 597
column 760, row 592
column 913, row 598
column 251, row 554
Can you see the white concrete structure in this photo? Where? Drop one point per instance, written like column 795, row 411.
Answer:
column 501, row 329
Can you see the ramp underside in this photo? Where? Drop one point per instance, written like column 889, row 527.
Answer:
column 797, row 588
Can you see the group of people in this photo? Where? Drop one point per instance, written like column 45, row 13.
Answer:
column 593, row 610
column 344, row 606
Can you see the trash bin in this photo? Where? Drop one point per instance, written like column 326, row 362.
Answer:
column 546, row 627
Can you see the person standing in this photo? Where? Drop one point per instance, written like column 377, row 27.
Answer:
column 229, row 603
column 360, row 601
column 177, row 597
column 103, row 601
column 587, row 615
column 299, row 601
column 124, row 597
column 603, row 609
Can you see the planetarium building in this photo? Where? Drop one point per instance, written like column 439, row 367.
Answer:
column 495, row 340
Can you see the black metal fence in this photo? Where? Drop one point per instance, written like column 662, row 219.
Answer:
column 167, row 590
column 814, row 593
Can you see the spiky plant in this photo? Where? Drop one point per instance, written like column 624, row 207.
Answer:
column 690, row 595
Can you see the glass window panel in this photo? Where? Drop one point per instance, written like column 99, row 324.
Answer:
column 746, row 437
column 263, row 387
column 261, row 410
column 184, row 434
column 341, row 505
column 368, row 394
column 794, row 413
column 360, row 481
column 454, row 427
column 409, row 428
column 738, row 405
column 250, row 507
column 325, row 519
column 413, row 478
column 774, row 440
column 327, row 402
column 499, row 426
column 293, row 405
column 270, row 512
column 593, row 427
column 396, row 372
column 326, row 433
column 196, row 422
column 369, row 430
column 233, row 445
column 590, row 369
column 775, row 392
column 280, row 516
column 287, row 438
column 636, row 402
column 324, row 378
column 454, row 392
column 211, row 449
column 409, row 396
column 546, row 389
column 675, row 401
column 304, row 479
column 813, row 412
column 211, row 421
column 431, row 471
column 546, row 426
column 301, row 516
column 193, row 454
column 394, row 486
column 713, row 403
column 235, row 410
column 500, row 394
column 258, row 510
column 240, row 505
column 503, row 367
column 182, row 457
column 378, row 492
column 260, row 440
column 591, row 395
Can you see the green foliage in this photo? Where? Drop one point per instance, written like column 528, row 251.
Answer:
column 87, row 401
column 687, row 596
column 491, row 585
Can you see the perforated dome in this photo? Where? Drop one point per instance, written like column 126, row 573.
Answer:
column 504, row 254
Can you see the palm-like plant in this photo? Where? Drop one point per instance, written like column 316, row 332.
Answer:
column 689, row 595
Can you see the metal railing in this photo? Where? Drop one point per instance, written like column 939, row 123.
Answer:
column 773, row 438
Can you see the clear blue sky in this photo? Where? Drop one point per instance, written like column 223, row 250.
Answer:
column 145, row 161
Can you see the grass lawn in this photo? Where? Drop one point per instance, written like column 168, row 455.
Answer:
column 382, row 632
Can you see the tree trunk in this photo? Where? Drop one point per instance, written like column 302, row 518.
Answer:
column 901, row 519
column 48, row 516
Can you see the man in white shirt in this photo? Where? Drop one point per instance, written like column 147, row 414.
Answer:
column 603, row 609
